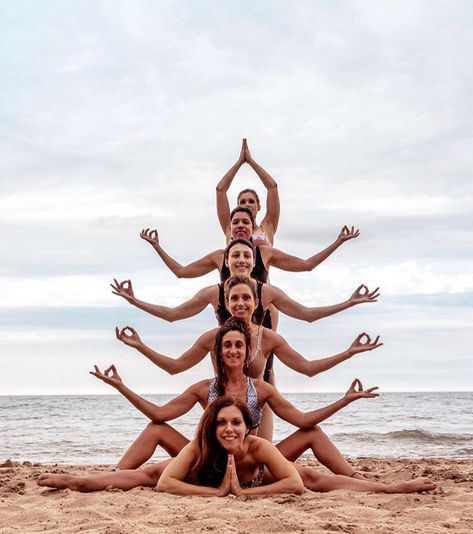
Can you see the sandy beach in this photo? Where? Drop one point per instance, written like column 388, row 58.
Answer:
column 26, row 507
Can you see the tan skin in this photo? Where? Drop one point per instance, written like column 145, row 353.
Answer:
column 233, row 357
column 242, row 227
column 241, row 262
column 270, row 221
column 246, row 455
column 242, row 304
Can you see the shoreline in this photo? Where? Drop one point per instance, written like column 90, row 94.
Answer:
column 28, row 508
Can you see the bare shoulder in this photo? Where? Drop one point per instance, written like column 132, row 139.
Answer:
column 259, row 447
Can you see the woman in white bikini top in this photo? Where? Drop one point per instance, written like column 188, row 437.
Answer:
column 263, row 234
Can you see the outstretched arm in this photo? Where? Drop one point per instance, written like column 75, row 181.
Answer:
column 285, row 410
column 159, row 414
column 197, row 268
column 223, row 207
column 187, row 309
column 298, row 363
column 271, row 219
column 287, row 262
column 173, row 366
column 274, row 295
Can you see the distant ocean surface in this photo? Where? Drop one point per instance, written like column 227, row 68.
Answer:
column 97, row 429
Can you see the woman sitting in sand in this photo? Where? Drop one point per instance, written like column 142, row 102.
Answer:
column 239, row 258
column 242, row 226
column 232, row 349
column 263, row 234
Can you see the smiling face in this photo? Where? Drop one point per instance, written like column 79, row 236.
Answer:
column 241, row 302
column 241, row 226
column 231, row 429
column 240, row 260
column 248, row 200
column 233, row 351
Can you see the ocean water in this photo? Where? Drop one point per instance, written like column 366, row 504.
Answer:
column 98, row 429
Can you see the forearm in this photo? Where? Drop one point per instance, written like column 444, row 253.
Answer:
column 224, row 185
column 285, row 485
column 318, row 258
column 178, row 487
column 315, row 417
column 264, row 176
column 147, row 408
column 162, row 312
column 173, row 265
column 320, row 312
column 170, row 365
column 319, row 366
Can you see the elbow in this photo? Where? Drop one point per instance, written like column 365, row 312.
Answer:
column 162, row 486
column 297, row 487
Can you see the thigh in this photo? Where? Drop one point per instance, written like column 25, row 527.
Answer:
column 294, row 445
column 171, row 440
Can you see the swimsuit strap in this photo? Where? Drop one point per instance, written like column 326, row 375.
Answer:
column 257, row 353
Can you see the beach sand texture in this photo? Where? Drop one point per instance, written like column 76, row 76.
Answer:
column 26, row 507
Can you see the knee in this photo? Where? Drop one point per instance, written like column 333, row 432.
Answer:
column 154, row 428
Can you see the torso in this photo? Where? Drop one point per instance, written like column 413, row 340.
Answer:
column 251, row 399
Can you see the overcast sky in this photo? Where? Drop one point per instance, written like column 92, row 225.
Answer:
column 120, row 115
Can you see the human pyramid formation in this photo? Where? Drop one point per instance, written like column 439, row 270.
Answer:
column 232, row 452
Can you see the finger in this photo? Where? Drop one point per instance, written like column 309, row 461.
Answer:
column 359, row 384
column 369, row 390
column 117, row 333
column 97, row 370
column 130, row 329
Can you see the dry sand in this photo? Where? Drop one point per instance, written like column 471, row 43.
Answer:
column 26, row 507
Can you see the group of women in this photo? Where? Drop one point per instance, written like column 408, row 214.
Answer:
column 232, row 452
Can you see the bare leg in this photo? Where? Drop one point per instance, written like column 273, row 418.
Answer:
column 324, row 450
column 145, row 444
column 320, row 482
column 124, row 480
column 265, row 429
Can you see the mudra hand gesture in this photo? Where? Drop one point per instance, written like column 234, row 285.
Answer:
column 132, row 339
column 363, row 294
column 348, row 233
column 109, row 376
column 123, row 289
column 151, row 236
column 363, row 343
column 356, row 391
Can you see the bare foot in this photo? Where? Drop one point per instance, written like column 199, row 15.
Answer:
column 413, row 486
column 55, row 481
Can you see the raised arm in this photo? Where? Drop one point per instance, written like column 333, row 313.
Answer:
column 173, row 366
column 159, row 414
column 277, row 297
column 287, row 262
column 287, row 411
column 193, row 270
column 271, row 218
column 295, row 361
column 223, row 206
column 187, row 309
